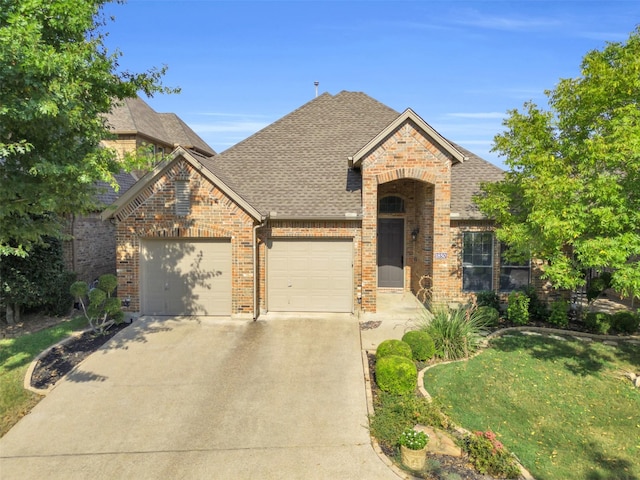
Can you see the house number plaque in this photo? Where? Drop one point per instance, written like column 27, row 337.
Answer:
column 441, row 255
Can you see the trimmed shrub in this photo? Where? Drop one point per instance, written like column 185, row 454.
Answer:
column 421, row 343
column 518, row 308
column 396, row 374
column 488, row 298
column 393, row 347
column 537, row 308
column 625, row 322
column 489, row 456
column 559, row 313
column 598, row 322
column 490, row 314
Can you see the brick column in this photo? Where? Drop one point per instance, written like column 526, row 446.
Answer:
column 442, row 288
column 369, row 244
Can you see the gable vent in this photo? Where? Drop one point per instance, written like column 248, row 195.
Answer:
column 183, row 198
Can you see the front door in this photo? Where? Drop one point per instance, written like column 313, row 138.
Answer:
column 391, row 252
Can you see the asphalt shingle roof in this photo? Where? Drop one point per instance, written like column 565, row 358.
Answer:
column 133, row 115
column 297, row 166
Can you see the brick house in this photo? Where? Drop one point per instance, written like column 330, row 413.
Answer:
column 318, row 212
column 91, row 252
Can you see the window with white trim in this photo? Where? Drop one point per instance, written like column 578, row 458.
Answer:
column 477, row 261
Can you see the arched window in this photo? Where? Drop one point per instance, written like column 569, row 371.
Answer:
column 391, row 204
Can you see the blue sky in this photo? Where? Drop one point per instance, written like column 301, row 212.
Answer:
column 459, row 64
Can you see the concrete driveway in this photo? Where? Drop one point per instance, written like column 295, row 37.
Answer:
column 196, row 398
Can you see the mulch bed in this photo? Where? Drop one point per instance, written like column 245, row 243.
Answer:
column 61, row 359
column 440, row 467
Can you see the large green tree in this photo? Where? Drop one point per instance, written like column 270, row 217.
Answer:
column 571, row 195
column 57, row 80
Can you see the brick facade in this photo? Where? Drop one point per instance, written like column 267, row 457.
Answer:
column 151, row 214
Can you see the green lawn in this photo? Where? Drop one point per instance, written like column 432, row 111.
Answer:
column 15, row 356
column 562, row 407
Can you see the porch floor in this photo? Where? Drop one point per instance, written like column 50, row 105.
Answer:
column 397, row 313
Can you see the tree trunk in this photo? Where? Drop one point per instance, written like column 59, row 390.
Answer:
column 10, row 319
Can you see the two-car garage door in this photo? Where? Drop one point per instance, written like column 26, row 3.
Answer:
column 310, row 275
column 185, row 277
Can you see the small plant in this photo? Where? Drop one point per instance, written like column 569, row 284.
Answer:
column 413, row 439
column 488, row 298
column 625, row 322
column 421, row 343
column 456, row 333
column 537, row 308
column 104, row 309
column 489, row 456
column 598, row 322
column 559, row 313
column 393, row 347
column 396, row 374
column 491, row 314
column 518, row 308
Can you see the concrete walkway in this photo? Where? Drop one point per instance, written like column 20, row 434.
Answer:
column 190, row 399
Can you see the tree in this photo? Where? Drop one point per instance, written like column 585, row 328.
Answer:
column 57, row 80
column 572, row 192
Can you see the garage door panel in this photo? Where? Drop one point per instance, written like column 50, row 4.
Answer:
column 310, row 275
column 181, row 277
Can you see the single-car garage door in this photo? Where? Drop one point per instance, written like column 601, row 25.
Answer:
column 310, row 275
column 180, row 277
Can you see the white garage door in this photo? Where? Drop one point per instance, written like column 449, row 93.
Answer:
column 310, row 275
column 180, row 277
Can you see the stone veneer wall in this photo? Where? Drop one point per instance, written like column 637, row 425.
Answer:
column 213, row 215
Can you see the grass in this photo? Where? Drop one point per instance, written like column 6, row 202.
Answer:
column 15, row 356
column 562, row 407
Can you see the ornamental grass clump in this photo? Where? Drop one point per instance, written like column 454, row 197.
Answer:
column 489, row 457
column 413, row 439
column 457, row 333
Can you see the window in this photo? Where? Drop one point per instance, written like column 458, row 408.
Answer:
column 183, row 199
column 513, row 275
column 477, row 261
column 391, row 205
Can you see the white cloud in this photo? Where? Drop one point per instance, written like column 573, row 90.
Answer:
column 473, row 18
column 219, row 127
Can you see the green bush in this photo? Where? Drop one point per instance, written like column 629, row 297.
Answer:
column 537, row 308
column 393, row 347
column 396, row 374
column 598, row 285
column 598, row 322
column 625, row 322
column 104, row 308
column 491, row 315
column 456, row 333
column 559, row 313
column 489, row 456
column 518, row 308
column 421, row 343
column 394, row 413
column 488, row 298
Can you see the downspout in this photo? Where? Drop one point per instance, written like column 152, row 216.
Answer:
column 255, row 268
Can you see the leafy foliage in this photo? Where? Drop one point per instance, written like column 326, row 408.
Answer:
column 103, row 309
column 456, row 333
column 38, row 281
column 625, row 322
column 559, row 313
column 598, row 322
column 58, row 81
column 572, row 192
column 518, row 308
column 491, row 314
column 396, row 374
column 394, row 414
column 421, row 343
column 393, row 346
column 489, row 456
column 488, row 298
